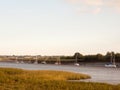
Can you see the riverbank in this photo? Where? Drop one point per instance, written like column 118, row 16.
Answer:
column 98, row 74
column 18, row 79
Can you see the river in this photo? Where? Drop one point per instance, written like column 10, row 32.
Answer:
column 98, row 74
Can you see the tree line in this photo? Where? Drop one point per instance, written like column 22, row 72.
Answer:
column 94, row 58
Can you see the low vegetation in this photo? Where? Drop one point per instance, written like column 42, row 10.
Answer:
column 18, row 79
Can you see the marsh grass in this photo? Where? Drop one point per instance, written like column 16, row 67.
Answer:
column 18, row 79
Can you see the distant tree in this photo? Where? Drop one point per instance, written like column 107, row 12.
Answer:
column 108, row 56
column 94, row 58
column 78, row 55
column 67, row 57
column 117, row 57
column 90, row 58
column 100, row 57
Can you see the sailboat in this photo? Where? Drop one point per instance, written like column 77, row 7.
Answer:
column 36, row 61
column 16, row 61
column 58, row 62
column 76, row 63
column 112, row 64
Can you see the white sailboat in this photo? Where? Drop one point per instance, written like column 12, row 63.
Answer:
column 58, row 62
column 76, row 63
column 16, row 61
column 36, row 61
column 112, row 64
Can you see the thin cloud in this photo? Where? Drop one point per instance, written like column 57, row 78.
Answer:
column 115, row 4
column 93, row 2
column 87, row 2
column 97, row 4
column 72, row 1
column 96, row 11
column 86, row 10
column 81, row 10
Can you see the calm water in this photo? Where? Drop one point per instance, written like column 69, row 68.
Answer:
column 98, row 74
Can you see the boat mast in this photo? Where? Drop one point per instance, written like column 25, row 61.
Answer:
column 114, row 59
column 76, row 57
column 36, row 60
column 111, row 58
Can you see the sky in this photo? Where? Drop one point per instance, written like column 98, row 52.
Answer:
column 59, row 27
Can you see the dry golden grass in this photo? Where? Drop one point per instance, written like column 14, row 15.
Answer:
column 40, row 75
column 18, row 79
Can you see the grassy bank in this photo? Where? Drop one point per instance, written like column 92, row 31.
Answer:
column 17, row 79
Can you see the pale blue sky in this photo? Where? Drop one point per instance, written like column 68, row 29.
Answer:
column 59, row 27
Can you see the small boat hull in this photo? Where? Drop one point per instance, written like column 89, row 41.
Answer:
column 110, row 65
